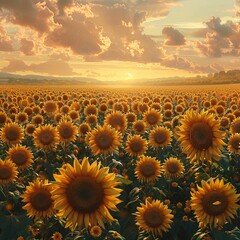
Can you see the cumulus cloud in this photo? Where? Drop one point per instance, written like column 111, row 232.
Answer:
column 31, row 13
column 237, row 8
column 174, row 37
column 78, row 33
column 51, row 67
column 177, row 62
column 5, row 41
column 221, row 38
column 27, row 47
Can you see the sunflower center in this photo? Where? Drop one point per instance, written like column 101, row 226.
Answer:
column 153, row 217
column 41, row 200
column 104, row 140
column 19, row 158
column 173, row 167
column 152, row 118
column 147, row 169
column 5, row 173
column 236, row 143
column 46, row 138
column 201, row 135
column 2, row 119
column 85, row 195
column 66, row 132
column 215, row 203
column 236, row 127
column 139, row 127
column 160, row 137
column 136, row 146
column 12, row 134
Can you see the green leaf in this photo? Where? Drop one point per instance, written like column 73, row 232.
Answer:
column 123, row 180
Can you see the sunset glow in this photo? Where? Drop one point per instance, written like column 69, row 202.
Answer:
column 116, row 40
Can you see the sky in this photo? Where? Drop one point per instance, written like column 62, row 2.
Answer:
column 117, row 40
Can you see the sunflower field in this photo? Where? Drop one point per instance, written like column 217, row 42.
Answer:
column 110, row 163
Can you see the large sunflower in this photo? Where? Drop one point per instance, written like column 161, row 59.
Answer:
column 8, row 172
column 200, row 137
column 21, row 156
column 136, row 145
column 67, row 131
column 45, row 137
column 173, row 168
column 84, row 193
column 154, row 217
column 12, row 133
column 38, row 199
column 215, row 203
column 160, row 137
column 104, row 140
column 148, row 169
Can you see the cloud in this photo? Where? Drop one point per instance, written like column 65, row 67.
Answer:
column 221, row 39
column 237, row 8
column 174, row 37
column 5, row 41
column 51, row 67
column 27, row 47
column 177, row 62
column 78, row 33
column 32, row 13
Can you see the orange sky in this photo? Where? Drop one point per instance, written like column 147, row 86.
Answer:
column 119, row 39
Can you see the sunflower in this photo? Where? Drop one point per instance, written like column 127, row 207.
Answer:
column 235, row 126
column 84, row 128
column 95, row 231
column 200, row 137
column 12, row 133
column 148, row 169
column 91, row 119
column 160, row 137
column 152, row 117
column 21, row 156
column 29, row 130
column 131, row 117
column 8, row 172
column 139, row 126
column 173, row 168
column 21, row 118
column 57, row 236
column 215, row 203
column 50, row 107
column 91, row 109
column 136, row 145
column 38, row 119
column 104, row 140
column 154, row 217
column 224, row 122
column 38, row 199
column 67, row 131
column 234, row 143
column 84, row 193
column 45, row 137
column 3, row 118
column 116, row 120
column 74, row 115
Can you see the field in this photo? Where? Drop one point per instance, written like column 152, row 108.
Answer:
column 120, row 163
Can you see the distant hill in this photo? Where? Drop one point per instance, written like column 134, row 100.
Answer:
column 223, row 77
